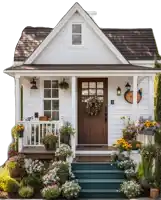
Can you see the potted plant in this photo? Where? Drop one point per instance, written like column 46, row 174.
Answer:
column 122, row 145
column 154, row 187
column 65, row 133
column 131, row 189
column 70, row 190
column 147, row 127
column 20, row 130
column 50, row 141
column 63, row 172
column 51, row 192
column 63, row 84
column 130, row 173
column 63, row 151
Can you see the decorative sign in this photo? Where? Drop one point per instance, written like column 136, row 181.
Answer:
column 129, row 96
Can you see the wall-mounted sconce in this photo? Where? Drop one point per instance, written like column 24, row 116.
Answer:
column 128, row 86
column 118, row 91
column 33, row 84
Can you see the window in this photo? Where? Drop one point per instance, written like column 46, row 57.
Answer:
column 51, row 99
column 76, row 34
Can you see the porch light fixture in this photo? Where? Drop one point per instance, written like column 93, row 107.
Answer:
column 118, row 91
column 33, row 86
column 128, row 86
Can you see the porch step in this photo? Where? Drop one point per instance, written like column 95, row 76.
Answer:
column 100, row 183
column 99, row 174
column 101, row 194
column 98, row 180
column 91, row 147
column 92, row 158
column 93, row 166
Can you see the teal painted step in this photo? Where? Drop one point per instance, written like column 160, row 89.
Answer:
column 93, row 166
column 100, row 194
column 99, row 174
column 100, row 183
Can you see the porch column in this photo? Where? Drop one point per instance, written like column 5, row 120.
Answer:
column 17, row 108
column 151, row 96
column 17, row 98
column 134, row 105
column 74, row 112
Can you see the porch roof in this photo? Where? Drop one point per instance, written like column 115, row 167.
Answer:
column 55, row 67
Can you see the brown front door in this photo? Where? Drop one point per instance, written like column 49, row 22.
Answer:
column 92, row 129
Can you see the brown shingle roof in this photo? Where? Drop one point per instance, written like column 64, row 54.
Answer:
column 134, row 44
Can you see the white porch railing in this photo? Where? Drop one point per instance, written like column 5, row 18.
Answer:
column 34, row 131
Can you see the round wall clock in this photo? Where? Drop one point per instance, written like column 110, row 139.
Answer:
column 129, row 96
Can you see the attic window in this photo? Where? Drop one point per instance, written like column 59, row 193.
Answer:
column 76, row 34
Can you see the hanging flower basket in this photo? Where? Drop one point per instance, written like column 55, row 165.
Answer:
column 20, row 130
column 93, row 106
column 63, row 85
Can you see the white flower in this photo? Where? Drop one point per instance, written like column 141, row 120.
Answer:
column 63, row 150
column 70, row 189
column 33, row 166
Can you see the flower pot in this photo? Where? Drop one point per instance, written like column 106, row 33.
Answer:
column 63, row 176
column 154, row 193
column 65, row 139
column 49, row 147
column 20, row 133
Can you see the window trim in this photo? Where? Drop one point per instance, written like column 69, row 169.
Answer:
column 51, row 98
column 81, row 44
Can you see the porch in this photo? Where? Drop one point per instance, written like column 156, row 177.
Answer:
column 67, row 108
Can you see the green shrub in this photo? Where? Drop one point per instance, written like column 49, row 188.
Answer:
column 51, row 192
column 8, row 184
column 32, row 181
column 26, row 191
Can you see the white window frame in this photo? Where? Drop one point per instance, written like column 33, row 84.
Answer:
column 51, row 98
column 73, row 34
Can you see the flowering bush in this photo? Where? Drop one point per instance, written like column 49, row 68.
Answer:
column 51, row 177
column 130, row 188
column 126, row 164
column 33, row 166
column 19, row 127
column 122, row 145
column 63, row 150
column 70, row 189
column 57, row 173
column 130, row 173
column 51, row 192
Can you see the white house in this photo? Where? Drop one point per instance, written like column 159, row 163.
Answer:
column 95, row 62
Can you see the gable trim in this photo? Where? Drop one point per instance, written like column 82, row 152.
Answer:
column 61, row 24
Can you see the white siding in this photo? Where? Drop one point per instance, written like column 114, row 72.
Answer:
column 33, row 102
column 61, row 51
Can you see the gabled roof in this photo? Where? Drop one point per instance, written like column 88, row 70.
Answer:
column 76, row 8
column 134, row 44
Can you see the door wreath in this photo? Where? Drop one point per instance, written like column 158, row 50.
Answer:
column 93, row 106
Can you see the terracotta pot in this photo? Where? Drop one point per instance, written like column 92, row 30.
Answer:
column 154, row 193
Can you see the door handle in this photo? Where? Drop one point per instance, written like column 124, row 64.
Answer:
column 105, row 113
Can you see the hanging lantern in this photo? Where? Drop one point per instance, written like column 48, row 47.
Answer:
column 33, row 84
column 128, row 86
column 118, row 91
